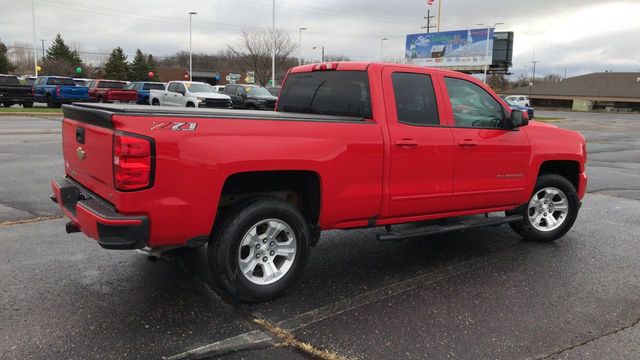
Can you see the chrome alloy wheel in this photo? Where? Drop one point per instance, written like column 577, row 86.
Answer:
column 548, row 209
column 267, row 251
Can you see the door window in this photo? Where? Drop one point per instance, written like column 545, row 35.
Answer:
column 415, row 99
column 181, row 89
column 472, row 106
column 240, row 91
column 173, row 87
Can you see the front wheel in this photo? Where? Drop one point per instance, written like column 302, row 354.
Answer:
column 260, row 251
column 550, row 212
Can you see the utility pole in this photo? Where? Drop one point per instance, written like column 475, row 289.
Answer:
column 429, row 17
column 382, row 48
column 439, row 12
column 191, row 13
column 42, row 47
column 273, row 52
column 300, row 47
column 35, row 54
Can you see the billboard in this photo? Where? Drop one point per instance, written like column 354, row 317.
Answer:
column 450, row 48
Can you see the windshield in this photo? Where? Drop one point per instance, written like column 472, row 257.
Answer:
column 199, row 88
column 257, row 91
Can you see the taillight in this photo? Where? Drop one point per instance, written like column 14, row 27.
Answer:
column 132, row 162
column 33, row 91
column 57, row 90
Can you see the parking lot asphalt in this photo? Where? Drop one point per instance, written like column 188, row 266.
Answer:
column 478, row 294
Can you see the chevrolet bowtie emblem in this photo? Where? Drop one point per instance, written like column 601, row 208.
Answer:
column 81, row 153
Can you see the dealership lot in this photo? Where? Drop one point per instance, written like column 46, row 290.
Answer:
column 479, row 294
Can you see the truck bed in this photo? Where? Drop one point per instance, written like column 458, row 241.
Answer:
column 100, row 114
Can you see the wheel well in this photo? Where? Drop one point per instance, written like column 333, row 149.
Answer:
column 300, row 188
column 189, row 104
column 569, row 169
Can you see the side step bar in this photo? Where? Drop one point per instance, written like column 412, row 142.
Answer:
column 443, row 229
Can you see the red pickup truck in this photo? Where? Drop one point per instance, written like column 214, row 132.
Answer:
column 350, row 145
column 106, row 91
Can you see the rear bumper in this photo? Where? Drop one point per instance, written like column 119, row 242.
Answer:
column 99, row 219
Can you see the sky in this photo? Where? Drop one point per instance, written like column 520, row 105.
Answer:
column 579, row 36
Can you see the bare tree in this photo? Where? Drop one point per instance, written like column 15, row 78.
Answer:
column 253, row 51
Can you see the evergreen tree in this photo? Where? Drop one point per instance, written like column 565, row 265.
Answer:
column 5, row 64
column 61, row 60
column 152, row 66
column 138, row 68
column 59, row 50
column 117, row 67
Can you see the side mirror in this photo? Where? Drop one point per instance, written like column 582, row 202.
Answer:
column 518, row 119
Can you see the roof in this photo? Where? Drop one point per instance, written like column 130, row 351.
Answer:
column 207, row 74
column 596, row 85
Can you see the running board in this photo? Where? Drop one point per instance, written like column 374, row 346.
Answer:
column 443, row 229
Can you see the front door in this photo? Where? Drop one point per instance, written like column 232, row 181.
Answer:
column 421, row 154
column 491, row 162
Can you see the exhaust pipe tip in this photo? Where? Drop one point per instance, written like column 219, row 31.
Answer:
column 71, row 227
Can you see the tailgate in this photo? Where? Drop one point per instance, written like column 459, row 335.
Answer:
column 87, row 148
column 123, row 95
column 73, row 92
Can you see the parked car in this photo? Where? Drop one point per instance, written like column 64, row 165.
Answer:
column 189, row 94
column 251, row 97
column 218, row 88
column 338, row 153
column 12, row 92
column 519, row 100
column 58, row 90
column 110, row 91
column 143, row 88
column 529, row 110
column 274, row 90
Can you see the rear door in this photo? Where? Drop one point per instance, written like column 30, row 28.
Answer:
column 170, row 96
column 491, row 162
column 421, row 150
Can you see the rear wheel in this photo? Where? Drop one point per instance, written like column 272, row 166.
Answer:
column 155, row 102
column 190, row 104
column 551, row 210
column 50, row 103
column 260, row 250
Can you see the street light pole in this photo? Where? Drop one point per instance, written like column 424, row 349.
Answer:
column 322, row 49
column 42, row 47
column 300, row 47
column 273, row 51
column 486, row 49
column 33, row 21
column 191, row 13
column 382, row 48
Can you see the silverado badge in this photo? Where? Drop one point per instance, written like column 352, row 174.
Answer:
column 81, row 153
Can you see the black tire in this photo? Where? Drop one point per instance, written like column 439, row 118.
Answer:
column 525, row 229
column 224, row 246
column 155, row 102
column 27, row 105
column 191, row 105
column 50, row 103
column 8, row 104
column 101, row 99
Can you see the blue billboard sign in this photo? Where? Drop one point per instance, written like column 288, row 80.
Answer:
column 450, row 48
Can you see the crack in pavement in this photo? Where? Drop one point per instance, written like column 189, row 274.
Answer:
column 287, row 326
column 29, row 221
column 586, row 342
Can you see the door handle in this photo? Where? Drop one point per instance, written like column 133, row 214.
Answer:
column 467, row 143
column 406, row 143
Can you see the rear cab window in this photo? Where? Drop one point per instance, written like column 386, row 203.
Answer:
column 110, row 85
column 61, row 81
column 9, row 80
column 338, row 93
column 148, row 86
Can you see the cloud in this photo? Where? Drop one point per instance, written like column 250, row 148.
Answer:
column 585, row 35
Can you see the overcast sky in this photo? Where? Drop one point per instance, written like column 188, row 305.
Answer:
column 579, row 35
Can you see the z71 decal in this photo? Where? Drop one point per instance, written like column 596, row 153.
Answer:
column 174, row 126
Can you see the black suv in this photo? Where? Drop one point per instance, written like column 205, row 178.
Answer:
column 250, row 97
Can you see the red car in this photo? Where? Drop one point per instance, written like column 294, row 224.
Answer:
column 106, row 91
column 350, row 145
